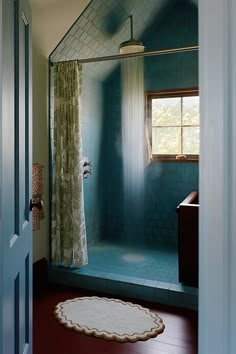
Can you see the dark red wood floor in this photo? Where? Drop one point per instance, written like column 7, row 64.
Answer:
column 179, row 337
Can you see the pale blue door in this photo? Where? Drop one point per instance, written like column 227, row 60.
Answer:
column 15, row 178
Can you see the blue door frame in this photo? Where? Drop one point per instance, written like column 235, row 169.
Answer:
column 15, row 179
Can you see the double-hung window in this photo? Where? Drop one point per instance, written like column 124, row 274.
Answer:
column 173, row 124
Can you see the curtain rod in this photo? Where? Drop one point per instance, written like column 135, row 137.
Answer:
column 142, row 54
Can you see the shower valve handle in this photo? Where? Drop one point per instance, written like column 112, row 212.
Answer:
column 38, row 204
column 87, row 163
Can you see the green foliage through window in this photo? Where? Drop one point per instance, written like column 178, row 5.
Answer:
column 175, row 122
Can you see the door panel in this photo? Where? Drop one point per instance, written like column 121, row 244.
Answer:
column 16, row 162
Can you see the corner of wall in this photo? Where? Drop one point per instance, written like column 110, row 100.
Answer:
column 41, row 147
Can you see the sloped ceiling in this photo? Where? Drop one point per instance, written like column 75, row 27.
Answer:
column 104, row 24
column 52, row 19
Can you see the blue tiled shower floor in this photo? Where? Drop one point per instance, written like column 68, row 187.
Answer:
column 147, row 263
column 120, row 270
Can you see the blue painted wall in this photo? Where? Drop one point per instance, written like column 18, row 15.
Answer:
column 166, row 184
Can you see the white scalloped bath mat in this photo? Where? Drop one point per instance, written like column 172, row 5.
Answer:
column 111, row 319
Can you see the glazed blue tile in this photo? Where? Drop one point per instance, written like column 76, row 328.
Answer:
column 112, row 284
column 153, row 278
column 105, row 275
column 97, row 284
column 149, row 293
column 183, row 299
column 184, row 289
column 117, row 277
column 135, row 291
column 150, row 283
column 138, row 281
column 127, row 279
column 119, row 287
column 162, row 294
column 84, row 282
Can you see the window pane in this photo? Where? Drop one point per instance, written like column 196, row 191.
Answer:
column 166, row 140
column 191, row 138
column 166, row 111
column 191, row 110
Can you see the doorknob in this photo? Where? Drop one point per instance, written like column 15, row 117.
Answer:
column 38, row 204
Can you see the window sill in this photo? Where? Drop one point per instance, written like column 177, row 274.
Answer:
column 161, row 158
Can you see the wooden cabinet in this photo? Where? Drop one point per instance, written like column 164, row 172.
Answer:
column 188, row 239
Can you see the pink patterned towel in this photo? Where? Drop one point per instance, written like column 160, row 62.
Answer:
column 37, row 190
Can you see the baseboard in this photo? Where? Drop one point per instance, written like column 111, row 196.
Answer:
column 40, row 276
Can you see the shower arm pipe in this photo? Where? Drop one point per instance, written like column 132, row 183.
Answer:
column 142, row 54
column 131, row 26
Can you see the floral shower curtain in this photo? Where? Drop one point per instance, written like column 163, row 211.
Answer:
column 69, row 245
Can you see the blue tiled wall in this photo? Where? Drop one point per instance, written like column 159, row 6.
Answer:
column 92, row 118
column 99, row 31
column 166, row 184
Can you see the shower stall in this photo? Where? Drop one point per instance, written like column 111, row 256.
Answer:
column 130, row 201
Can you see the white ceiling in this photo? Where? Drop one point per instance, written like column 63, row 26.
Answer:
column 51, row 20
